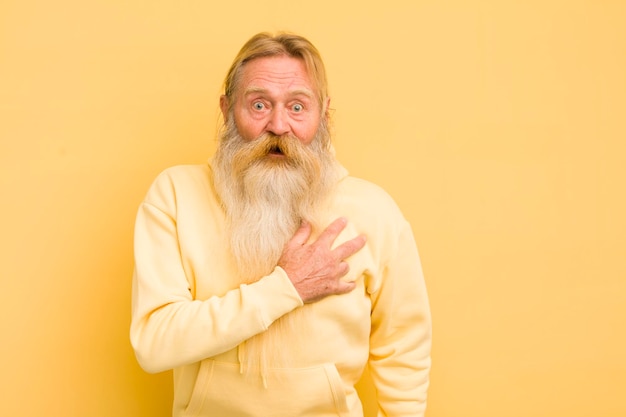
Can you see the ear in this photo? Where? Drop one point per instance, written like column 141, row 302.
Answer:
column 326, row 109
column 224, row 103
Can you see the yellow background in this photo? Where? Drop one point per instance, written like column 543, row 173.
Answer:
column 498, row 126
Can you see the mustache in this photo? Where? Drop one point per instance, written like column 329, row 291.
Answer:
column 295, row 154
column 242, row 155
column 269, row 143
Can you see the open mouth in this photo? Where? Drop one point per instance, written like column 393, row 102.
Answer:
column 276, row 151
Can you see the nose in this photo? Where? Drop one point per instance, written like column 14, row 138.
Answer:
column 278, row 123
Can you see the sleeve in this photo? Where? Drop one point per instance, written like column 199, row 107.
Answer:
column 400, row 339
column 168, row 327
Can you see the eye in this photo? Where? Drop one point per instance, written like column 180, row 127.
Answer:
column 257, row 105
column 297, row 107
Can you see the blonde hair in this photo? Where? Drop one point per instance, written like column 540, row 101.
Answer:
column 265, row 44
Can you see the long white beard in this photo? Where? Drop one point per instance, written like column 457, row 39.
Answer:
column 265, row 200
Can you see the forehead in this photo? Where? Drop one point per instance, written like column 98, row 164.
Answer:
column 278, row 74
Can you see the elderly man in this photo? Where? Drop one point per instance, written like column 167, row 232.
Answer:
column 269, row 279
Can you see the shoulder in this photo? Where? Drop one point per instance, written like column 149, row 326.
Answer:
column 373, row 212
column 367, row 197
column 370, row 208
column 183, row 173
column 177, row 182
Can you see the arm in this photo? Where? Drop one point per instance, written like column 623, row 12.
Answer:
column 401, row 333
column 169, row 328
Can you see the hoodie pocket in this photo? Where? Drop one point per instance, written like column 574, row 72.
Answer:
column 222, row 391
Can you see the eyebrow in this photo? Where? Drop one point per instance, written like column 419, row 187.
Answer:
column 298, row 92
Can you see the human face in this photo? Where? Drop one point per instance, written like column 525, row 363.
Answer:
column 275, row 95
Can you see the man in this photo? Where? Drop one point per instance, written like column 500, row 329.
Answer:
column 269, row 279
